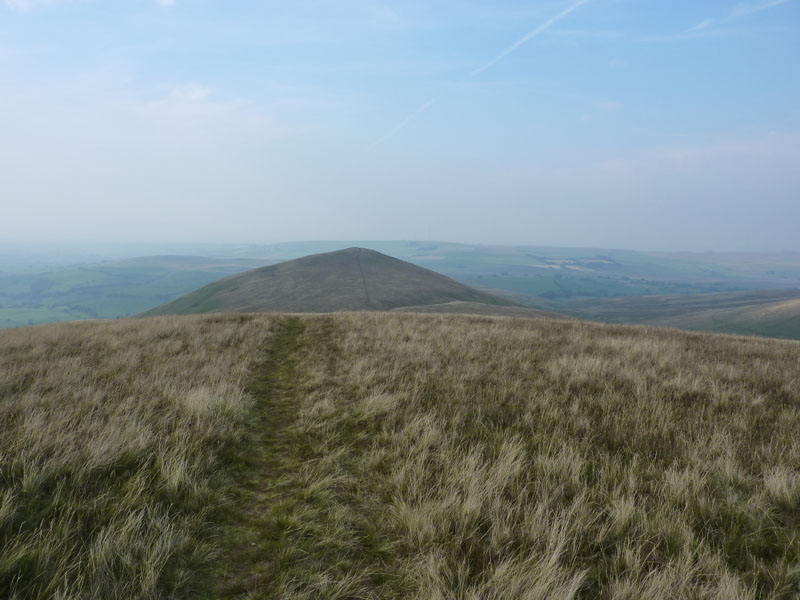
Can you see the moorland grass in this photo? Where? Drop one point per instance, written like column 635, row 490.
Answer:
column 378, row 455
column 111, row 439
column 494, row 458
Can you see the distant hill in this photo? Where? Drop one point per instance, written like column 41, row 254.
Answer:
column 36, row 285
column 352, row 279
column 109, row 289
column 564, row 274
column 772, row 319
column 771, row 313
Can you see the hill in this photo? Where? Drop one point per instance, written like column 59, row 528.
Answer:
column 569, row 273
column 389, row 455
column 772, row 319
column 345, row 280
column 770, row 313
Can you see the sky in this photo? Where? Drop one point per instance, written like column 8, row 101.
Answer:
column 642, row 124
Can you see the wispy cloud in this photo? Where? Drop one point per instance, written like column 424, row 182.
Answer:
column 701, row 25
column 191, row 102
column 23, row 5
column 403, row 124
column 386, row 16
column 738, row 11
column 529, row 36
column 744, row 9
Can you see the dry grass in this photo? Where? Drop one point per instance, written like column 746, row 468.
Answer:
column 109, row 446
column 426, row 457
column 494, row 458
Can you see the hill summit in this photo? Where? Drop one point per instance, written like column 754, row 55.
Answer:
column 353, row 279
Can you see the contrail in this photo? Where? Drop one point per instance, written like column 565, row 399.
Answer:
column 402, row 124
column 526, row 38
column 543, row 27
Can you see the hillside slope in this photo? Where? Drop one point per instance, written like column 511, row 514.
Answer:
column 769, row 313
column 475, row 308
column 346, row 280
column 386, row 455
column 772, row 319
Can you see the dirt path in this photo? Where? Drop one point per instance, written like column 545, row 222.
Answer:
column 249, row 553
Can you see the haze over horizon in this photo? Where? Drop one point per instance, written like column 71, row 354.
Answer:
column 592, row 123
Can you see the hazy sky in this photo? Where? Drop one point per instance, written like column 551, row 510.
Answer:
column 647, row 124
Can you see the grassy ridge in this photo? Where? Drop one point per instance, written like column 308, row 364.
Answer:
column 381, row 455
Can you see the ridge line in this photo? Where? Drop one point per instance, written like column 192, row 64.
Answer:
column 363, row 279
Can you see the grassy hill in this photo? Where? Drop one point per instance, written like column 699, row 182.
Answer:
column 773, row 319
column 346, row 280
column 386, row 455
column 770, row 313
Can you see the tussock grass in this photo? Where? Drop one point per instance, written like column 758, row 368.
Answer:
column 495, row 458
column 110, row 443
column 409, row 456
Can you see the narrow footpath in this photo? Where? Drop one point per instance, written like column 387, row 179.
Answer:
column 249, row 548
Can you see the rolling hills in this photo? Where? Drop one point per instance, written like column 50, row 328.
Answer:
column 563, row 273
column 108, row 289
column 391, row 455
column 352, row 279
column 772, row 319
column 582, row 282
column 769, row 313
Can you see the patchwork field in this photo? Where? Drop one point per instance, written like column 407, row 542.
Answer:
column 386, row 455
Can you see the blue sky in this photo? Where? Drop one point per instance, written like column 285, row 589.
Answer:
column 647, row 124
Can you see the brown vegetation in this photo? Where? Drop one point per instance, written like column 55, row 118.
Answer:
column 446, row 457
column 409, row 456
column 110, row 441
column 477, row 308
